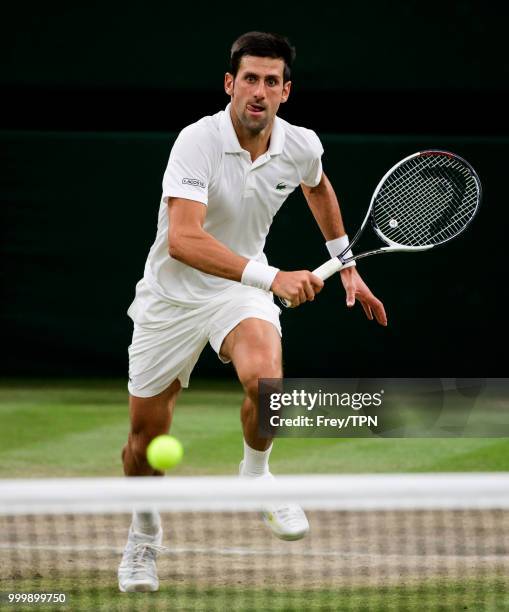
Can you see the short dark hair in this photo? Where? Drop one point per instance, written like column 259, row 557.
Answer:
column 262, row 44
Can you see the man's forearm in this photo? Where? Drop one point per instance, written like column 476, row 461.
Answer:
column 324, row 205
column 202, row 251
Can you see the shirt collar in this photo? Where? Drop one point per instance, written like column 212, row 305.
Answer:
column 277, row 138
column 231, row 142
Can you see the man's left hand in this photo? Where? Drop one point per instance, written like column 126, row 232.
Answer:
column 356, row 288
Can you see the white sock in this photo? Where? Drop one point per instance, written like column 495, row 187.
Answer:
column 256, row 463
column 146, row 522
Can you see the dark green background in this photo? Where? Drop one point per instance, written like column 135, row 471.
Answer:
column 94, row 97
column 381, row 45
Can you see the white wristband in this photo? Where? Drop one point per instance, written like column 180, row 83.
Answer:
column 258, row 275
column 337, row 246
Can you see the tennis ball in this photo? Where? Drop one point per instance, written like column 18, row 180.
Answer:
column 164, row 452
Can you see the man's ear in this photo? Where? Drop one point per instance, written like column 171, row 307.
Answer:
column 286, row 91
column 228, row 83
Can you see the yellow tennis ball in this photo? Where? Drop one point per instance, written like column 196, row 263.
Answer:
column 164, row 452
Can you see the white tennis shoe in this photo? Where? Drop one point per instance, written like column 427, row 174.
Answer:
column 286, row 521
column 137, row 570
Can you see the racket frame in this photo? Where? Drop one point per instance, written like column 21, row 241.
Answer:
column 335, row 264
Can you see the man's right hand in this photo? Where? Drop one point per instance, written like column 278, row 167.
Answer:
column 297, row 287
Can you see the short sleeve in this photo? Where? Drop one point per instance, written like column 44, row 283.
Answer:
column 189, row 168
column 313, row 172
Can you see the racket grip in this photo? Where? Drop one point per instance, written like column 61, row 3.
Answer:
column 328, row 268
column 324, row 272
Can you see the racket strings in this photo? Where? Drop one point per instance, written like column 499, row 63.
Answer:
column 416, row 205
column 427, row 200
column 419, row 207
column 421, row 200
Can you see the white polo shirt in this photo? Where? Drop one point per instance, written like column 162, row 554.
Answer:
column 208, row 165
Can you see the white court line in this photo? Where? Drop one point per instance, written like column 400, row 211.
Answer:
column 247, row 552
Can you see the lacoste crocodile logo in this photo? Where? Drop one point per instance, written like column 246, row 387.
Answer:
column 281, row 186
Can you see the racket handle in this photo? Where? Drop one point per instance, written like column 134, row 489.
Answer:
column 328, row 268
column 324, row 272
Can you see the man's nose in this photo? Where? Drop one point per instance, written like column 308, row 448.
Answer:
column 260, row 90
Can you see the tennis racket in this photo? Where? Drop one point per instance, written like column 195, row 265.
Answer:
column 425, row 200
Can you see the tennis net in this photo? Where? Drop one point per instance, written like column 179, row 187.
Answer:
column 383, row 542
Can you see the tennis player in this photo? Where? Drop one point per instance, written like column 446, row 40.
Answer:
column 207, row 279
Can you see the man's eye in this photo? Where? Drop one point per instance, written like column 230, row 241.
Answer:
column 251, row 79
column 271, row 82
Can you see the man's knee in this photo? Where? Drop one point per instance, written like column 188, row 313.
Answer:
column 261, row 366
column 144, row 430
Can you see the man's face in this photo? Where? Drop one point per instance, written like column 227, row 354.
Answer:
column 257, row 91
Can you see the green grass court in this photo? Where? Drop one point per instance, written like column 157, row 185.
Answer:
column 77, row 429
column 437, row 596
column 56, row 429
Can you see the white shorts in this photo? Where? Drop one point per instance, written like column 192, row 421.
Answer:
column 168, row 339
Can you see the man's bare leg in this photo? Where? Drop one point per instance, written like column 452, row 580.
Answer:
column 254, row 347
column 150, row 417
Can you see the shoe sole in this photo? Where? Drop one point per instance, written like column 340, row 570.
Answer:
column 139, row 587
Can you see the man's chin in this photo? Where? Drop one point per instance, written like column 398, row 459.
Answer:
column 255, row 125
